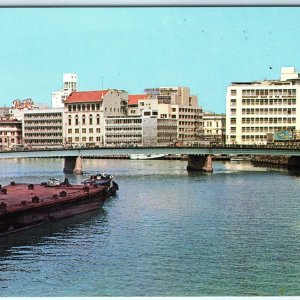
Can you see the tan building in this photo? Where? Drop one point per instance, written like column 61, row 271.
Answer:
column 10, row 133
column 174, row 103
column 86, row 113
column 214, row 127
column 257, row 109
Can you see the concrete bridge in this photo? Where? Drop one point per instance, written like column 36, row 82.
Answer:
column 199, row 158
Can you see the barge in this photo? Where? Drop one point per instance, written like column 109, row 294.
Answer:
column 24, row 206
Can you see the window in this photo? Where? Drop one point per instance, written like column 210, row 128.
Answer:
column 90, row 130
column 233, row 92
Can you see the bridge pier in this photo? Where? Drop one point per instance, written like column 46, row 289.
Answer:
column 73, row 165
column 200, row 163
column 294, row 163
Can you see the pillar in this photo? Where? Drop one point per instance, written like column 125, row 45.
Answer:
column 200, row 163
column 78, row 166
column 73, row 165
column 208, row 164
column 294, row 163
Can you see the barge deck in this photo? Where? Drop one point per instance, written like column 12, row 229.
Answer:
column 26, row 205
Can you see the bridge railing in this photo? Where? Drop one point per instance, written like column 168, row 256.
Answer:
column 210, row 146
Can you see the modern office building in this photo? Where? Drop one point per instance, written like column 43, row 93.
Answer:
column 69, row 86
column 256, row 110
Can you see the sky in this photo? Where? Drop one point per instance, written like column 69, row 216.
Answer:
column 133, row 48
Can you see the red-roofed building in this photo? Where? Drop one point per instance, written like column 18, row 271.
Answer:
column 133, row 99
column 86, row 112
column 82, row 97
column 137, row 103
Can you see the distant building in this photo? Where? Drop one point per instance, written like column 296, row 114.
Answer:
column 256, row 110
column 172, row 103
column 69, row 86
column 10, row 133
column 4, row 112
column 44, row 128
column 214, row 127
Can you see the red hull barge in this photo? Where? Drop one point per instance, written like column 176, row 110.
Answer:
column 27, row 205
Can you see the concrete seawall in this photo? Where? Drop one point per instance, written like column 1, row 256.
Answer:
column 291, row 163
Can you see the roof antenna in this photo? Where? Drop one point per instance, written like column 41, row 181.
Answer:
column 102, row 81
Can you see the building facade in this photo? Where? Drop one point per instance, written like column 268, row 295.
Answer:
column 257, row 110
column 10, row 134
column 214, row 128
column 44, row 128
column 86, row 113
column 176, row 103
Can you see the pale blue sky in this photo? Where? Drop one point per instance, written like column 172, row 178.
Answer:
column 137, row 48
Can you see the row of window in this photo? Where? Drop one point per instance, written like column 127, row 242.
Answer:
column 9, row 133
column 270, row 111
column 189, row 110
column 42, row 123
column 262, row 129
column 266, row 92
column 77, row 139
column 83, row 121
column 267, row 102
column 83, row 130
column 123, row 121
column 124, row 128
column 43, row 116
column 265, row 120
column 38, row 134
column 123, row 136
column 84, row 107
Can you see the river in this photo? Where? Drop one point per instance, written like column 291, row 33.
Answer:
column 168, row 232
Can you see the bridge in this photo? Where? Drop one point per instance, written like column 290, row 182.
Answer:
column 199, row 158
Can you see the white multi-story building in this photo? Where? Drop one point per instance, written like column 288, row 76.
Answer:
column 257, row 109
column 139, row 130
column 44, row 128
column 86, row 113
column 69, row 86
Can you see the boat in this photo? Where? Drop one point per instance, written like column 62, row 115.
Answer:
column 146, row 156
column 54, row 182
column 239, row 158
column 23, row 205
column 104, row 180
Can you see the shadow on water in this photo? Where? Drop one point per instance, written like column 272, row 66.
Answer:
column 64, row 228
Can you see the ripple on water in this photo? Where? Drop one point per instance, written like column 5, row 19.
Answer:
column 168, row 232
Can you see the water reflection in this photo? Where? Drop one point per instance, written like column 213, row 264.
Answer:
column 52, row 233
